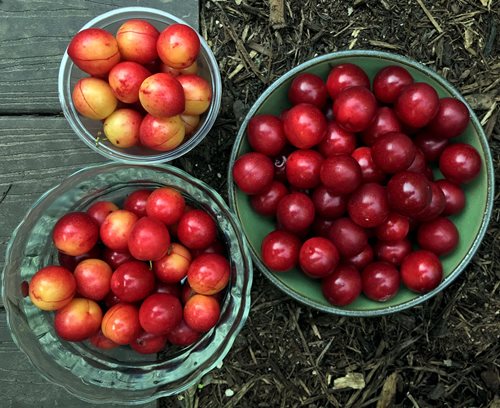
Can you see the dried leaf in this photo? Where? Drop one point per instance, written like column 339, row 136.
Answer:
column 355, row 381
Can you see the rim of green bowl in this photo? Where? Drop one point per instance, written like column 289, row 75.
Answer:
column 489, row 170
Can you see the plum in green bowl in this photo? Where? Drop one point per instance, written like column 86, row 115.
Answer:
column 471, row 222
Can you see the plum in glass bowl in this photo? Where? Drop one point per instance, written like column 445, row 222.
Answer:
column 131, row 115
column 119, row 375
column 322, row 179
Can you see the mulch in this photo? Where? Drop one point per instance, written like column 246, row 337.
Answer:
column 444, row 353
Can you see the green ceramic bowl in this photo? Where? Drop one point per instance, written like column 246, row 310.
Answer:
column 471, row 223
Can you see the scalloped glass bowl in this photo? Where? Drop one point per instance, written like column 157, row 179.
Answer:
column 119, row 375
column 471, row 223
column 89, row 130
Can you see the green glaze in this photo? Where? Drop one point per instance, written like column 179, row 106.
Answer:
column 471, row 223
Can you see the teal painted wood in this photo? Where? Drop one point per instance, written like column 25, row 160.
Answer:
column 34, row 36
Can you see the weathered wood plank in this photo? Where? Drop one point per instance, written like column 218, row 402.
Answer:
column 34, row 35
column 21, row 386
column 36, row 153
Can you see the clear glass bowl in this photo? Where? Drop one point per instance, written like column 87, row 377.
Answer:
column 471, row 223
column 90, row 131
column 118, row 375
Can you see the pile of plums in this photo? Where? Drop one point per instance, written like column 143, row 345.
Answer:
column 150, row 273
column 144, row 84
column 347, row 174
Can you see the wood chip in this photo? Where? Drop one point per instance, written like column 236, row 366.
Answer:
column 493, row 85
column 469, row 40
column 488, row 114
column 354, row 34
column 430, row 17
column 252, row 355
column 385, row 5
column 488, row 128
column 388, row 393
column 482, row 101
column 260, row 49
column 322, row 354
column 383, row 44
column 316, row 331
column 245, row 33
column 413, row 400
column 355, row 381
column 343, row 29
column 304, row 386
column 277, row 13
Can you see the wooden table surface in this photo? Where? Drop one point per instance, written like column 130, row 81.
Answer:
column 37, row 146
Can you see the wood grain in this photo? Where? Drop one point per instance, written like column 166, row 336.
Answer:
column 36, row 153
column 34, row 36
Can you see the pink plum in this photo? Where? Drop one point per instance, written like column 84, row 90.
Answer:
column 125, row 80
column 122, row 127
column 162, row 95
column 162, row 134
column 52, row 287
column 75, row 233
column 197, row 93
column 94, row 98
column 178, row 46
column 94, row 51
column 78, row 320
column 137, row 41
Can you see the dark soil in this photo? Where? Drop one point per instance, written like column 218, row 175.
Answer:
column 444, row 353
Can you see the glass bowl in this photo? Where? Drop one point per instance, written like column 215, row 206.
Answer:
column 120, row 375
column 90, row 131
column 471, row 223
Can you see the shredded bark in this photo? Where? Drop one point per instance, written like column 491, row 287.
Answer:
column 444, row 353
